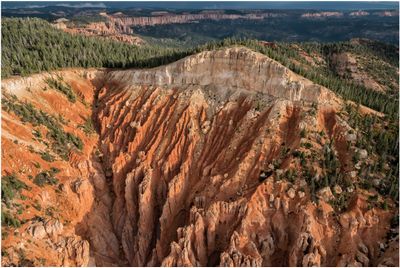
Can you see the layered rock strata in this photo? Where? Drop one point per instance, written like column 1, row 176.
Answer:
column 190, row 165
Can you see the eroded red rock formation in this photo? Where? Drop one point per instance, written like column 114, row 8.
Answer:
column 124, row 23
column 102, row 29
column 192, row 170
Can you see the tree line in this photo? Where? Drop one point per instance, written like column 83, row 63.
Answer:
column 32, row 45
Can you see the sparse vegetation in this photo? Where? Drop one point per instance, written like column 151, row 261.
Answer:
column 10, row 187
column 9, row 220
column 37, row 134
column 62, row 142
column 330, row 165
column 375, row 135
column 63, row 87
column 341, row 201
column 87, row 127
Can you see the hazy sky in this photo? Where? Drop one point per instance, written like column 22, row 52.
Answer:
column 209, row 5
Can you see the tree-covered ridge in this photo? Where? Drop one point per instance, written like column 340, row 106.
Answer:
column 378, row 60
column 289, row 55
column 33, row 45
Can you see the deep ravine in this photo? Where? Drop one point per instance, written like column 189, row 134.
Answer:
column 212, row 160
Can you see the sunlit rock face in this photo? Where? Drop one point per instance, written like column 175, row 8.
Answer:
column 189, row 167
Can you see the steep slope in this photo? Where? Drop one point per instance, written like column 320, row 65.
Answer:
column 236, row 70
column 63, row 182
column 222, row 158
column 361, row 70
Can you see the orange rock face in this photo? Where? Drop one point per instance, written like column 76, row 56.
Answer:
column 192, row 170
column 101, row 29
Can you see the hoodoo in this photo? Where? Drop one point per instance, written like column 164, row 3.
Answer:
column 225, row 157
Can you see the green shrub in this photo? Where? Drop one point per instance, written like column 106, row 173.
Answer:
column 37, row 134
column 10, row 186
column 87, row 127
column 45, row 178
column 307, row 145
column 75, row 140
column 31, row 149
column 49, row 211
column 303, row 133
column 8, row 220
column 47, row 156
column 54, row 170
column 37, row 165
column 385, row 205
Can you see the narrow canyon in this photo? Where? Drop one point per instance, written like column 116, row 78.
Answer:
column 214, row 160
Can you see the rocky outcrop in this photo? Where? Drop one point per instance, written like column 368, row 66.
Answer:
column 74, row 252
column 185, row 144
column 346, row 65
column 59, row 220
column 194, row 164
column 101, row 29
column 387, row 13
column 359, row 13
column 124, row 23
column 325, row 14
column 229, row 70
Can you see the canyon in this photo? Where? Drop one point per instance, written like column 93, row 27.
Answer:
column 101, row 29
column 200, row 162
column 141, row 26
column 125, row 23
column 118, row 27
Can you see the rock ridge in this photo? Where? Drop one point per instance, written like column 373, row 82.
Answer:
column 236, row 68
column 198, row 163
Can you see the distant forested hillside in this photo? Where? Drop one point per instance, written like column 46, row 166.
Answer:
column 290, row 28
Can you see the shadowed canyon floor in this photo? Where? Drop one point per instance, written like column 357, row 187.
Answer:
column 216, row 159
